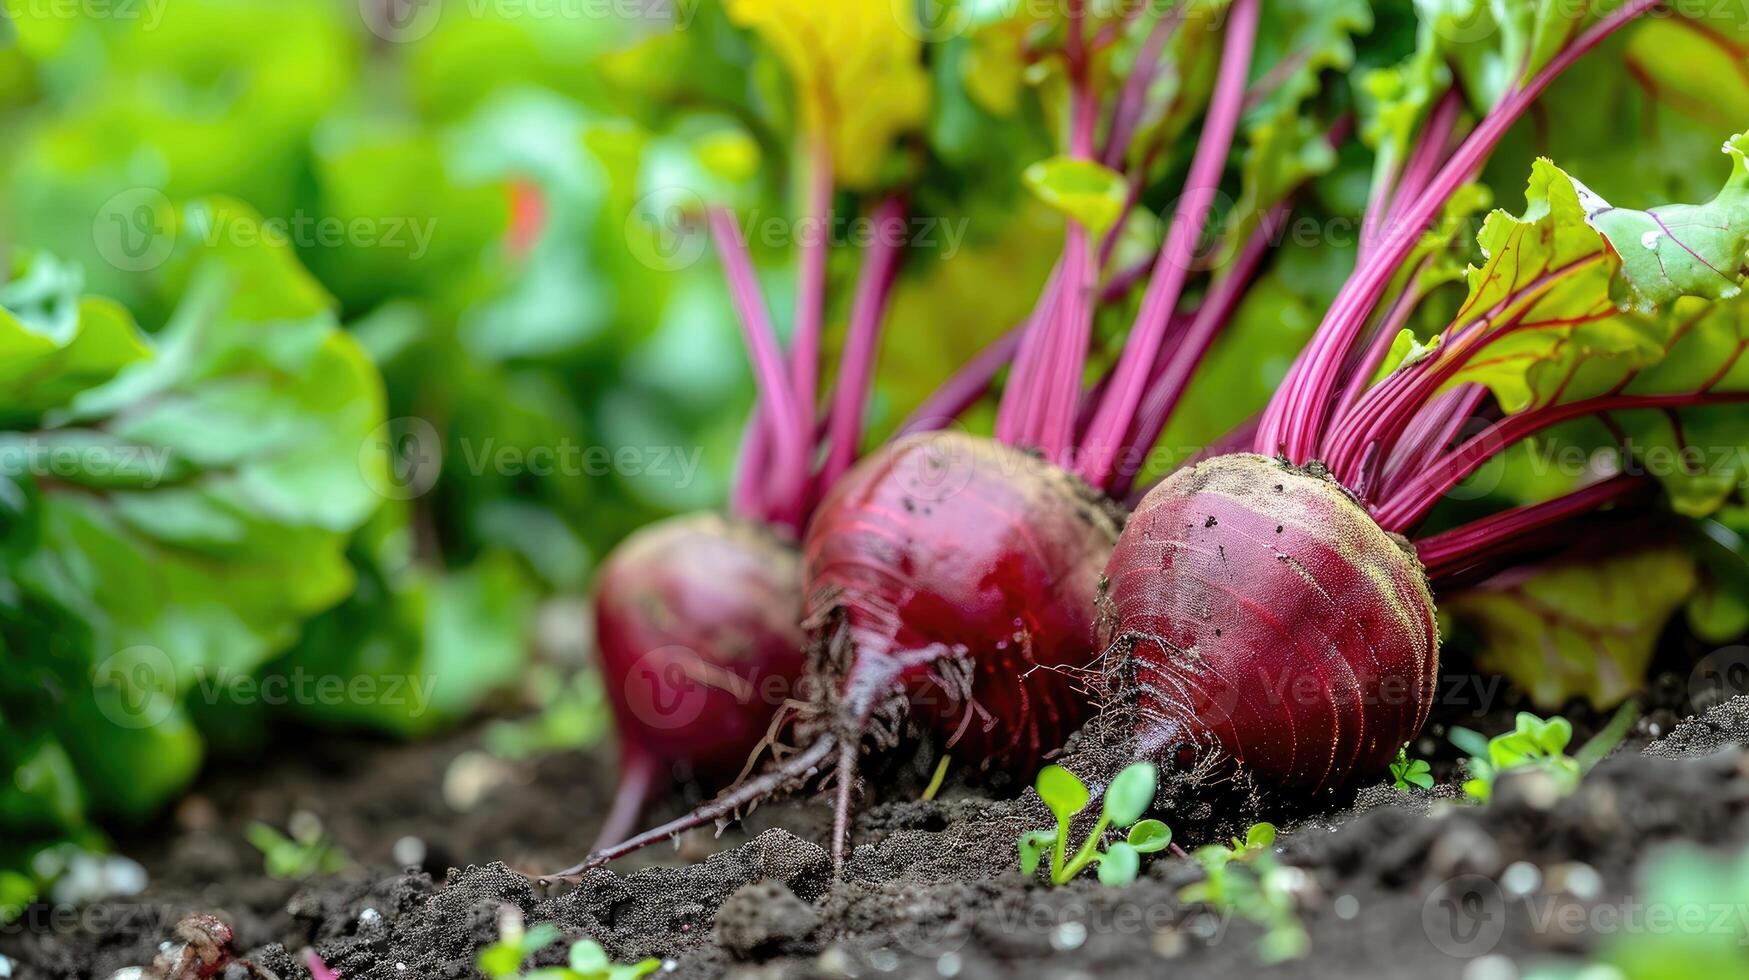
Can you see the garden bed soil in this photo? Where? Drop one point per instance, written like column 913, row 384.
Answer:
column 930, row 891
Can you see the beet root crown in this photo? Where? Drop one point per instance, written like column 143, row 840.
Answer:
column 1257, row 616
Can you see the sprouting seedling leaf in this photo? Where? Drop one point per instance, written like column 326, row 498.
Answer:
column 1149, row 836
column 1540, row 743
column 1033, row 845
column 1260, row 836
column 503, row 959
column 1130, row 794
column 1252, row 885
column 306, row 853
column 1126, row 799
column 1063, row 792
column 1119, row 864
column 1407, row 773
column 1084, row 191
column 587, row 956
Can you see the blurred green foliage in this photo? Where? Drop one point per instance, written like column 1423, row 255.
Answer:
column 311, row 323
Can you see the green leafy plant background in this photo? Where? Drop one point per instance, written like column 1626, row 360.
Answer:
column 228, row 458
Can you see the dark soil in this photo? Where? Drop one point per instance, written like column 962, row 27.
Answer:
column 931, row 890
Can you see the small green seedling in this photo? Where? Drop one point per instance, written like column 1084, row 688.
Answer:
column 1126, row 799
column 1408, row 773
column 502, row 960
column 1539, row 743
column 306, row 853
column 1246, row 880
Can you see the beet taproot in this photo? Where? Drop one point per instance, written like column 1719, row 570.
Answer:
column 697, row 627
column 1257, row 615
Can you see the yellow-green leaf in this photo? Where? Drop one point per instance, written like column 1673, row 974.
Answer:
column 857, row 70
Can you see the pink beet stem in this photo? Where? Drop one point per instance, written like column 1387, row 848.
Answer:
column 748, row 499
column 1295, row 421
column 1392, row 198
column 1430, row 434
column 1360, row 374
column 1012, row 413
column 1134, row 97
column 637, row 778
column 1217, row 309
column 1067, row 358
column 1402, row 510
column 1515, row 531
column 856, row 372
column 777, row 398
column 970, row 383
column 1177, row 256
column 1376, row 424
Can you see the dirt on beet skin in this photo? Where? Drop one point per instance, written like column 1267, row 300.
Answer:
column 930, row 891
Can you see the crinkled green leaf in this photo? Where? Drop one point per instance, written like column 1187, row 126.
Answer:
column 1549, row 295
column 1577, row 629
column 1680, row 249
column 55, row 343
column 189, row 509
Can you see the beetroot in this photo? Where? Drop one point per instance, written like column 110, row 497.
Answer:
column 1264, row 610
column 951, row 581
column 1261, row 616
column 954, row 568
column 919, row 620
column 696, row 622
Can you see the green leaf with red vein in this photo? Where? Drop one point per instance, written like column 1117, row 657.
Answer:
column 1577, row 628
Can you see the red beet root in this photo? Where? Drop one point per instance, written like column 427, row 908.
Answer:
column 952, row 581
column 697, row 626
column 1269, row 622
column 955, row 567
